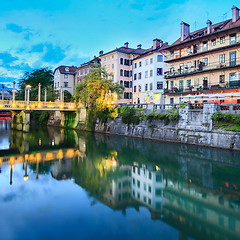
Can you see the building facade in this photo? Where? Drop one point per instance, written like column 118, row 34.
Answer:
column 84, row 69
column 148, row 74
column 119, row 63
column 206, row 61
column 64, row 76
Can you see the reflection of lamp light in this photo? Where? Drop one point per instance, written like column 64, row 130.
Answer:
column 25, row 178
column 52, row 142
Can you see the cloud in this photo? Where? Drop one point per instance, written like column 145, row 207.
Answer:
column 53, row 54
column 38, row 48
column 14, row 28
column 6, row 58
column 25, row 32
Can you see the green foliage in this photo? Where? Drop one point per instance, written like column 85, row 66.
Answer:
column 40, row 117
column 231, row 122
column 129, row 115
column 134, row 116
column 44, row 76
column 68, row 96
column 106, row 114
column 97, row 92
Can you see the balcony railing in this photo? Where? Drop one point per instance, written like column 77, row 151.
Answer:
column 203, row 87
column 200, row 68
column 200, row 48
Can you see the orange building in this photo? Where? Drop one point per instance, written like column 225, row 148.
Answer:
column 206, row 61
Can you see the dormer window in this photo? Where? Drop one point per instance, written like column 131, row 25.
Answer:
column 66, row 69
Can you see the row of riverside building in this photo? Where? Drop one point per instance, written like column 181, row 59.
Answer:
column 203, row 62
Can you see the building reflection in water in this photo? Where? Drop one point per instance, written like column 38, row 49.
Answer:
column 191, row 195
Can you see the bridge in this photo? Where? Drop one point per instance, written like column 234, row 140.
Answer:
column 13, row 105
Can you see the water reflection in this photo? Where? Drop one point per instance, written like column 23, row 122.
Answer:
column 193, row 189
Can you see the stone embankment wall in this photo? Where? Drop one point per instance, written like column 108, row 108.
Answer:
column 194, row 127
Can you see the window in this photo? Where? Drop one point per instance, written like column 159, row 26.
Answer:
column 159, row 85
column 159, row 58
column 150, row 175
column 139, row 75
column 126, row 84
column 196, row 82
column 130, row 84
column 222, row 79
column 222, row 58
column 144, row 186
column 112, row 56
column 130, row 95
column 121, row 61
column 188, row 49
column 126, row 62
column 189, row 83
column 65, row 76
column 149, row 189
column 65, row 84
column 121, row 72
column 126, row 95
column 151, row 73
column 108, row 66
column 233, row 38
column 135, row 76
column 205, row 61
column 213, row 42
column 172, row 68
column 58, row 84
column 135, row 88
column 172, row 53
column 113, row 66
column 138, row 183
column 171, row 84
column 151, row 60
column 146, row 62
column 149, row 201
column 159, row 71
column 146, row 74
column 189, row 65
column 140, row 64
column 139, row 88
column 205, row 46
column 151, row 86
column 222, row 40
column 135, row 65
column 146, row 87
column 171, row 100
column 130, row 73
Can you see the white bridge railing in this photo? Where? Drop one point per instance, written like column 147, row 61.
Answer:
column 35, row 105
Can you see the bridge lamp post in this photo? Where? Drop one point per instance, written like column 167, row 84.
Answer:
column 28, row 87
column 39, row 92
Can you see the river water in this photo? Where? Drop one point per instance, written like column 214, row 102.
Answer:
column 63, row 184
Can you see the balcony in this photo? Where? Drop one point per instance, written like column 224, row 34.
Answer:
column 202, row 67
column 203, row 87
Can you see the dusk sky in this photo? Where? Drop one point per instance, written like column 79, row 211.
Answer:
column 49, row 33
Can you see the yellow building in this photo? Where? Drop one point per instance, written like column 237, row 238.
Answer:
column 204, row 61
column 119, row 63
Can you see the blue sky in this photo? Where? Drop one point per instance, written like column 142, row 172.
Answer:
column 49, row 33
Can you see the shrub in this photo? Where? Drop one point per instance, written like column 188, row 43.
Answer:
column 228, row 117
column 217, row 116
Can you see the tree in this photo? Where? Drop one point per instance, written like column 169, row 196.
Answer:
column 44, row 76
column 97, row 93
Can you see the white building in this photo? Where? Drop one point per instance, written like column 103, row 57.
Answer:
column 148, row 74
column 147, row 186
column 64, row 76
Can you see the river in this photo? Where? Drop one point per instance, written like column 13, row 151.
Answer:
column 64, row 184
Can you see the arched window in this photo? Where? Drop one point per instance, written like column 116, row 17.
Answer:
column 121, row 72
column 121, row 82
column 121, row 61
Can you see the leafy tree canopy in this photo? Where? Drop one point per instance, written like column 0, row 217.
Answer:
column 44, row 76
column 97, row 92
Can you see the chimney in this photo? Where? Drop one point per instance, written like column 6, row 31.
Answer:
column 101, row 53
column 157, row 43
column 139, row 46
column 185, row 31
column 209, row 26
column 126, row 44
column 235, row 14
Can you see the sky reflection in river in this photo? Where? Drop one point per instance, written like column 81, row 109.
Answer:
column 71, row 185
